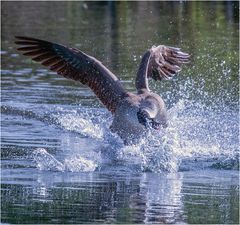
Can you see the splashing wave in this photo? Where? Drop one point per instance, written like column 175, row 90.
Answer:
column 46, row 161
column 197, row 137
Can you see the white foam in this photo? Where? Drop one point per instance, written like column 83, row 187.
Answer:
column 194, row 132
column 78, row 124
column 46, row 161
column 77, row 163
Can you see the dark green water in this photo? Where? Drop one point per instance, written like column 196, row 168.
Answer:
column 189, row 174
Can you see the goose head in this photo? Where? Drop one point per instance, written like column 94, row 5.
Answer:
column 152, row 112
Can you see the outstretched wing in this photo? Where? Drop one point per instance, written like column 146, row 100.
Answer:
column 76, row 65
column 161, row 62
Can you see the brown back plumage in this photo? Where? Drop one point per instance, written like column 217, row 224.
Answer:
column 76, row 65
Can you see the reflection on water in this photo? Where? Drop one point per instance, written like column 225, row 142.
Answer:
column 95, row 197
column 64, row 119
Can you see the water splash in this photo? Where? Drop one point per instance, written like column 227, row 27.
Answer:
column 196, row 134
column 77, row 123
column 197, row 137
column 46, row 161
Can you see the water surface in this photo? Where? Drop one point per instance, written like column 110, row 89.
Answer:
column 59, row 161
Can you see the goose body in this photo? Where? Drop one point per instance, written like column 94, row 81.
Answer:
column 133, row 114
column 132, row 118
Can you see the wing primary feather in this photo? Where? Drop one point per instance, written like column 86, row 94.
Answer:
column 58, row 65
column 26, row 43
column 76, row 65
column 28, row 48
column 161, row 62
column 42, row 57
column 27, row 38
column 35, row 53
column 51, row 61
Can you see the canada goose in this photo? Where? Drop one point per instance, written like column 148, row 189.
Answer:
column 132, row 113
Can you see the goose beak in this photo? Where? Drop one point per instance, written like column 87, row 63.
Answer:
column 145, row 120
column 143, row 117
column 155, row 125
